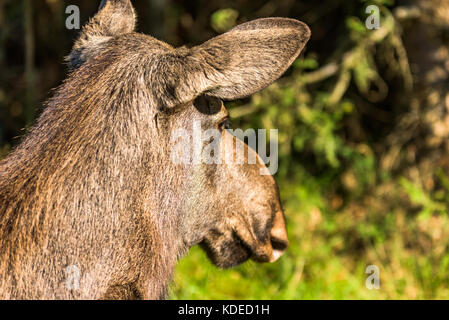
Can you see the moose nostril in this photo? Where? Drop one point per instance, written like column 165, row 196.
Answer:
column 280, row 245
column 278, row 234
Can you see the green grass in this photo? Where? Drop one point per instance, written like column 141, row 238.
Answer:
column 328, row 255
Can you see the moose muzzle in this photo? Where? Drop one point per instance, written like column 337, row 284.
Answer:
column 273, row 249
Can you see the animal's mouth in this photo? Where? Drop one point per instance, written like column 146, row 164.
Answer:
column 233, row 248
column 237, row 243
column 225, row 250
column 242, row 243
column 267, row 251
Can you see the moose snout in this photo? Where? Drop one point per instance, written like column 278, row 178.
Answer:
column 278, row 241
column 278, row 237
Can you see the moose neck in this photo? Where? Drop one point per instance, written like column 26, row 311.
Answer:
column 82, row 183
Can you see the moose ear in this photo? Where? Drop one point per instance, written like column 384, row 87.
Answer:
column 233, row 65
column 252, row 55
column 114, row 18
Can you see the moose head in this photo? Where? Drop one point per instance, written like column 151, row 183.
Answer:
column 94, row 183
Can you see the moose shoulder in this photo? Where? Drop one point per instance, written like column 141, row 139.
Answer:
column 91, row 204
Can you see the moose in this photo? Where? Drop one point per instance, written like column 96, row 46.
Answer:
column 91, row 186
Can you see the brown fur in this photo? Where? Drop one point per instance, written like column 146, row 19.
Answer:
column 92, row 184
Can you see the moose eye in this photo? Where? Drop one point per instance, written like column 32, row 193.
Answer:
column 225, row 124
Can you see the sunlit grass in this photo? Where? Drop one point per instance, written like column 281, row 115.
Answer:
column 327, row 259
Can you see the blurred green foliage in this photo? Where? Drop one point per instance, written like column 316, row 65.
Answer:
column 224, row 19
